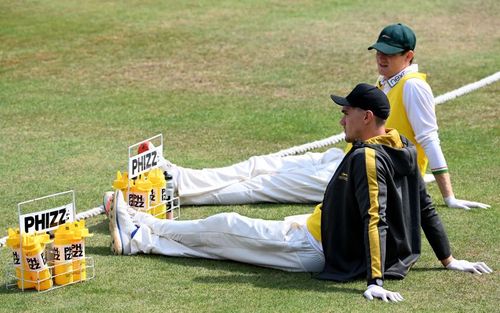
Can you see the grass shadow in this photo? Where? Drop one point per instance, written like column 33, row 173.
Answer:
column 98, row 250
column 99, row 228
column 227, row 272
column 289, row 281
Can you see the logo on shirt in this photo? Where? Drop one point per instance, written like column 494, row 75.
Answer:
column 343, row 176
column 395, row 79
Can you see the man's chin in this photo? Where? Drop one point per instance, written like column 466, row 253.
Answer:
column 383, row 72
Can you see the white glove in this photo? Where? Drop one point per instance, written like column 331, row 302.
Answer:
column 466, row 266
column 453, row 202
column 375, row 291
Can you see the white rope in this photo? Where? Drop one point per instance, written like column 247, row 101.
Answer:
column 467, row 88
column 312, row 145
column 90, row 213
column 330, row 140
column 437, row 100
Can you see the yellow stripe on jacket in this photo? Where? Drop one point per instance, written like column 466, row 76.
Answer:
column 373, row 234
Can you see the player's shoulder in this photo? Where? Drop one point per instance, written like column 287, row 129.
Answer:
column 370, row 157
column 362, row 151
column 416, row 82
column 416, row 85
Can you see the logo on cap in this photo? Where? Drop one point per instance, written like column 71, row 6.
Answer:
column 395, row 38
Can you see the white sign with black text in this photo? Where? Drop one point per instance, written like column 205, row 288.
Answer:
column 145, row 161
column 46, row 220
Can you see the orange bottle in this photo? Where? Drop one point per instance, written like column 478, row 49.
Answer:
column 33, row 247
column 78, row 249
column 140, row 190
column 121, row 183
column 14, row 242
column 158, row 193
column 63, row 266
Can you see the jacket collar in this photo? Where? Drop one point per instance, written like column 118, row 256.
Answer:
column 391, row 138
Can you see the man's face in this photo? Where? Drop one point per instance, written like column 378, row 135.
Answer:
column 390, row 65
column 353, row 122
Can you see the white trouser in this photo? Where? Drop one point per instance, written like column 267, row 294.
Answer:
column 281, row 245
column 291, row 179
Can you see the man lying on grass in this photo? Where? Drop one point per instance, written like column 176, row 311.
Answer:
column 367, row 225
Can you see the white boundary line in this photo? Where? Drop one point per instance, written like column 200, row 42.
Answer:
column 330, row 140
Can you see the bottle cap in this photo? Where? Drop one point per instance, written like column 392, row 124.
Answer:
column 141, row 184
column 121, row 181
column 156, row 177
column 13, row 240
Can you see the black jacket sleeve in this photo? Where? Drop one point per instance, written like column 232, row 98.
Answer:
column 431, row 224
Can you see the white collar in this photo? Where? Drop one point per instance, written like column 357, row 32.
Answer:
column 413, row 68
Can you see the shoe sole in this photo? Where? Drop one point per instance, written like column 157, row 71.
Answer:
column 114, row 229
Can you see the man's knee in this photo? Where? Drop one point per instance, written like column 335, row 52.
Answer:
column 227, row 219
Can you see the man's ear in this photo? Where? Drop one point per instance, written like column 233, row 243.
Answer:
column 410, row 55
column 369, row 117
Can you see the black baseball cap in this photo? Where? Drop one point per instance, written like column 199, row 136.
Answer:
column 394, row 39
column 366, row 97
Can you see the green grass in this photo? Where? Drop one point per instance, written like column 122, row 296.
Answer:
column 225, row 80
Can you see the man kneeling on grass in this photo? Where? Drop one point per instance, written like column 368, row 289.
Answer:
column 367, row 225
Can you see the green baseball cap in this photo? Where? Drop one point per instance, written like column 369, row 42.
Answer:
column 394, row 39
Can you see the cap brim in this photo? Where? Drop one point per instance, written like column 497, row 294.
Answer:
column 340, row 100
column 385, row 48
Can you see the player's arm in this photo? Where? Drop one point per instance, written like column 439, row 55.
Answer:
column 436, row 235
column 419, row 106
column 432, row 226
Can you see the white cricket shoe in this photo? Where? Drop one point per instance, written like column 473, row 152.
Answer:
column 121, row 226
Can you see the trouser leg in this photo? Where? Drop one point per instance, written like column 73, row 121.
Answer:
column 230, row 236
column 291, row 179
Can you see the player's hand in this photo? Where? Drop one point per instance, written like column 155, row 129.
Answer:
column 466, row 266
column 453, row 202
column 374, row 291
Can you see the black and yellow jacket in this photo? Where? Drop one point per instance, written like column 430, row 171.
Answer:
column 372, row 212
